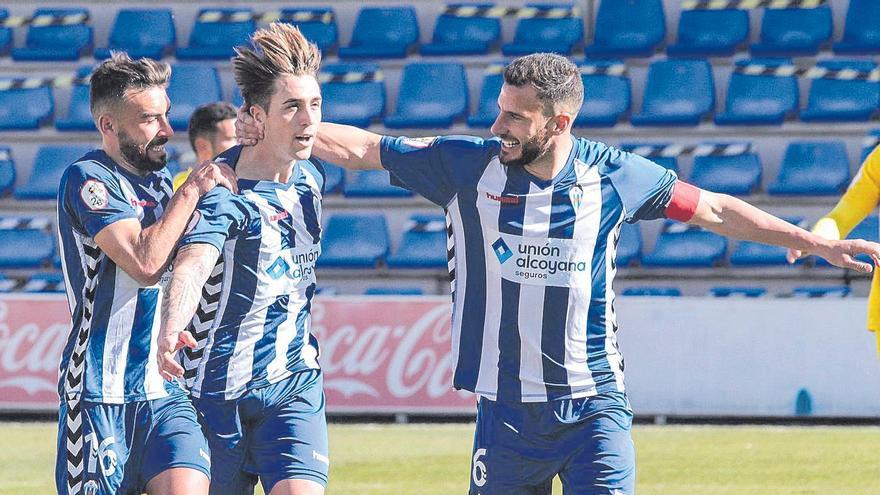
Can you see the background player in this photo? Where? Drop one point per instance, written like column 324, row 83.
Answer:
column 122, row 428
column 258, row 386
column 536, row 215
column 211, row 131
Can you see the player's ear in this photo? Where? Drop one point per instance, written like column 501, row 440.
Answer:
column 559, row 123
column 257, row 113
column 105, row 123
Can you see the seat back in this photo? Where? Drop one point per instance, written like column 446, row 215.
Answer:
column 421, row 92
column 376, row 26
column 607, row 97
column 844, row 98
column 562, row 32
column 26, row 108
column 796, row 29
column 733, row 174
column 221, row 35
column 355, row 241
column 450, row 29
column 316, row 29
column 349, row 102
column 49, row 166
column 755, row 95
column 137, row 29
column 813, row 167
column 191, row 86
column 713, row 31
column 644, row 29
column 75, row 35
column 679, row 87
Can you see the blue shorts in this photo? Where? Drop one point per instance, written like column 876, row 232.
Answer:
column 273, row 433
column 123, row 446
column 520, row 447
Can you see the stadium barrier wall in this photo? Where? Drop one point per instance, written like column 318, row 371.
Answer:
column 684, row 356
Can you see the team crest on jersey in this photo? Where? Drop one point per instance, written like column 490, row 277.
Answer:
column 94, row 194
column 419, row 142
column 576, row 193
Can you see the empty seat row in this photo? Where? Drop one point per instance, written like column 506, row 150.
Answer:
column 741, row 291
column 465, row 28
column 37, row 282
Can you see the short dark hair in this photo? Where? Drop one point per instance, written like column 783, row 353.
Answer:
column 279, row 49
column 556, row 79
column 203, row 122
column 118, row 74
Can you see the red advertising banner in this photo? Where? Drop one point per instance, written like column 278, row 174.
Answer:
column 388, row 355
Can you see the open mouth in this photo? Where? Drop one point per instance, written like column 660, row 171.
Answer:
column 305, row 139
column 509, row 144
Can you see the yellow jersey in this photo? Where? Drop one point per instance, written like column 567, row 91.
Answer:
column 857, row 203
column 180, row 178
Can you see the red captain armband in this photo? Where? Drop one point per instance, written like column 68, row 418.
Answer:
column 683, row 204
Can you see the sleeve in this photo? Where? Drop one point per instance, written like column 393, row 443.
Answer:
column 644, row 187
column 858, row 201
column 94, row 197
column 434, row 167
column 219, row 216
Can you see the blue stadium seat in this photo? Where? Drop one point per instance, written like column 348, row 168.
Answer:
column 861, row 33
column 7, row 285
column 141, row 33
column 737, row 291
column 25, row 247
column 393, row 291
column 643, row 149
column 352, row 103
column 710, row 33
column 871, row 140
column 371, row 184
column 7, row 171
column 793, row 32
column 812, row 168
column 382, row 33
column 677, row 93
column 739, row 175
column 629, row 247
column 354, row 241
column 191, row 86
column 56, row 42
column 487, row 107
column 45, row 282
column 320, row 28
column 752, row 254
column 455, row 35
column 757, row 99
column 651, row 292
column 867, row 230
column 422, row 102
column 546, row 35
column 607, row 98
column 681, row 245
column 423, row 244
column 833, row 100
column 79, row 115
column 49, row 165
column 639, row 35
column 334, row 178
column 26, row 109
column 6, row 35
column 820, row 291
column 215, row 40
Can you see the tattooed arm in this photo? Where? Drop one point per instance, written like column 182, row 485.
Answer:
column 192, row 267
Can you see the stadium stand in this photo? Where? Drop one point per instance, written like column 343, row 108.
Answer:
column 861, row 33
column 6, row 34
column 215, row 33
column 760, row 92
column 866, row 229
column 812, row 168
column 640, row 36
column 44, row 282
column 423, row 103
column 820, row 291
column 354, row 241
column 652, row 292
column 353, row 93
column 317, row 24
column 681, row 245
column 457, row 33
column 128, row 34
column 841, row 98
column 371, row 184
column 710, row 33
column 25, row 243
column 191, row 86
column 738, row 174
column 677, row 93
column 737, row 291
column 647, row 149
column 57, row 42
column 609, row 97
column 23, row 108
column 49, row 165
column 556, row 35
column 383, row 33
column 423, row 244
column 752, row 254
column 629, row 246
column 393, row 291
column 334, row 178
column 7, row 171
column 79, row 115
column 791, row 32
column 487, row 106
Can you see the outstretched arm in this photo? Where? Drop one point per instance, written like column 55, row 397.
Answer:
column 192, row 267
column 735, row 218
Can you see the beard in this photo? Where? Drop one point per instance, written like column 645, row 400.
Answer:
column 530, row 150
column 138, row 156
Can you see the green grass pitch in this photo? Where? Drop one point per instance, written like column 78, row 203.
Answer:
column 434, row 459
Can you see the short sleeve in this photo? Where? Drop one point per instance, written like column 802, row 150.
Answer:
column 219, row 216
column 93, row 196
column 434, row 167
column 644, row 187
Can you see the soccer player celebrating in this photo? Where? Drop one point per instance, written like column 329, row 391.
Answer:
column 252, row 368
column 123, row 429
column 211, row 131
column 535, row 216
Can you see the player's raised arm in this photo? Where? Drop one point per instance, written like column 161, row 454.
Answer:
column 192, row 267
column 732, row 217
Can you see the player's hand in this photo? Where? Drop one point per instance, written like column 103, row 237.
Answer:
column 842, row 254
column 168, row 345
column 207, row 175
column 247, row 129
column 792, row 255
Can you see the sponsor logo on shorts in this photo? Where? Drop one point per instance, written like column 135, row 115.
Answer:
column 320, row 457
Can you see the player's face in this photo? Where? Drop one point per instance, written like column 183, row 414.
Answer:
column 224, row 138
column 142, row 129
column 521, row 125
column 294, row 115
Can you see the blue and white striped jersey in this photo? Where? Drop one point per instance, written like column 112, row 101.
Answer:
column 532, row 261
column 253, row 324
column 110, row 355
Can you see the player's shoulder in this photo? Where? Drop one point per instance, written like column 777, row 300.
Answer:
column 469, row 144
column 92, row 174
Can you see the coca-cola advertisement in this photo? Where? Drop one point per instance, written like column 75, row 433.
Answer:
column 389, row 355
